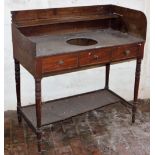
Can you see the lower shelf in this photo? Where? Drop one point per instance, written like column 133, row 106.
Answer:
column 57, row 110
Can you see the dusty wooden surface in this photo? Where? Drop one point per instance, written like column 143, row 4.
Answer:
column 58, row 110
column 56, row 44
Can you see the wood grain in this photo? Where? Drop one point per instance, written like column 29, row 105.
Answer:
column 61, row 62
column 95, row 57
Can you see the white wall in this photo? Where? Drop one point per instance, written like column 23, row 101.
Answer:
column 122, row 75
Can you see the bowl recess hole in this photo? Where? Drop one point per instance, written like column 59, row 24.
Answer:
column 81, row 41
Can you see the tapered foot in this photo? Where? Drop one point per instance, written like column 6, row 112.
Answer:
column 133, row 113
column 19, row 118
column 39, row 140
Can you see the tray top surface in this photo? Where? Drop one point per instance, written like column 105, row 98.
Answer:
column 47, row 45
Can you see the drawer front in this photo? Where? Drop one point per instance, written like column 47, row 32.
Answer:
column 94, row 57
column 125, row 52
column 58, row 63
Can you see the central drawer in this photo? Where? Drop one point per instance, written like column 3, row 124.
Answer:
column 93, row 57
column 59, row 63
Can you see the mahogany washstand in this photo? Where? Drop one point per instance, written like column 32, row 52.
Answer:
column 55, row 41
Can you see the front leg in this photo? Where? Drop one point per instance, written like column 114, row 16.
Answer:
column 38, row 111
column 107, row 76
column 17, row 79
column 136, row 88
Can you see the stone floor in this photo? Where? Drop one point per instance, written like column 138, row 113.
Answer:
column 106, row 131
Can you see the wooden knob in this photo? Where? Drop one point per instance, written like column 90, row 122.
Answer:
column 61, row 62
column 127, row 52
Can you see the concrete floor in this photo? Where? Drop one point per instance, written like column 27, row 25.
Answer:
column 106, row 131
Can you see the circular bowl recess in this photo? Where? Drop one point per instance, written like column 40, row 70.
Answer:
column 81, row 41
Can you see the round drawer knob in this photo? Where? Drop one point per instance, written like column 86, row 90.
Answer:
column 61, row 62
column 89, row 53
column 127, row 52
column 96, row 57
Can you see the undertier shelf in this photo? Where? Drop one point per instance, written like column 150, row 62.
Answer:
column 57, row 110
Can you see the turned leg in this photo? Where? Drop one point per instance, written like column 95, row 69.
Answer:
column 39, row 139
column 38, row 110
column 17, row 79
column 107, row 76
column 136, row 88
